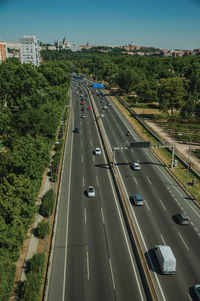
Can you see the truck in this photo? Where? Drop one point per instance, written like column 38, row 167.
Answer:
column 166, row 259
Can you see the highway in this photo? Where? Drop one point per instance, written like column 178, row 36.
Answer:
column 163, row 198
column 92, row 256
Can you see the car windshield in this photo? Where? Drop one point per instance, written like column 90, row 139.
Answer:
column 184, row 217
column 91, row 189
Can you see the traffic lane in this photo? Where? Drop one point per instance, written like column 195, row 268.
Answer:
column 168, row 235
column 99, row 284
column 152, row 233
column 57, row 271
column 100, row 280
column 164, row 200
column 75, row 268
column 124, row 276
column 79, row 253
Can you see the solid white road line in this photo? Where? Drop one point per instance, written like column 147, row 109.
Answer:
column 113, row 281
column 183, row 241
column 83, row 182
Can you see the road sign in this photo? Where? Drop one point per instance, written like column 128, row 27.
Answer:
column 96, row 85
column 143, row 144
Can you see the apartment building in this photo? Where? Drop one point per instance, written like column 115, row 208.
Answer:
column 29, row 50
column 3, row 51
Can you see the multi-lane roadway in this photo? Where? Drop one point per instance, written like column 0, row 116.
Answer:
column 92, row 257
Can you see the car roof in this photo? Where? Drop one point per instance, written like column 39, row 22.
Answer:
column 138, row 196
column 183, row 215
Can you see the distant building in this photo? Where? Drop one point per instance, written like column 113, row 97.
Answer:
column 3, row 51
column 62, row 45
column 29, row 50
column 13, row 45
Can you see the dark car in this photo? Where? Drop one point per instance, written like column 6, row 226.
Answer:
column 76, row 130
column 182, row 218
column 82, row 109
column 197, row 291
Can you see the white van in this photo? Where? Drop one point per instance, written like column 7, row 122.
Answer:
column 166, row 259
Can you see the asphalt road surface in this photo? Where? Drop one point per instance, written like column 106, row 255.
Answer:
column 92, row 255
column 163, row 198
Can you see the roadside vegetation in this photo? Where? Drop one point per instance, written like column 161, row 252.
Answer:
column 32, row 100
column 167, row 89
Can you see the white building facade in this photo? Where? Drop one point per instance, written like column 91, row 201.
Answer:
column 29, row 50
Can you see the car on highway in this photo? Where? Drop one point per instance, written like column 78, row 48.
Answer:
column 101, row 115
column 135, row 166
column 91, row 191
column 166, row 259
column 76, row 130
column 197, row 291
column 182, row 218
column 83, row 116
column 97, row 151
column 137, row 200
column 82, row 109
column 89, row 109
column 82, row 102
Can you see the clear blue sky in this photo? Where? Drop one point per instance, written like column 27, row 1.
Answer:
column 173, row 24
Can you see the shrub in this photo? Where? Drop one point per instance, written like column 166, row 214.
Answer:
column 31, row 288
column 43, row 229
column 36, row 263
column 47, row 205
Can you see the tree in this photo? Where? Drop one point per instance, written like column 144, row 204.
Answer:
column 171, row 94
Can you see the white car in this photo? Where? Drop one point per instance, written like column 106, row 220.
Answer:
column 97, row 151
column 101, row 115
column 91, row 191
column 135, row 166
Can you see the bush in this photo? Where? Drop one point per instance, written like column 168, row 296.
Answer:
column 47, row 205
column 31, row 288
column 43, row 229
column 36, row 263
